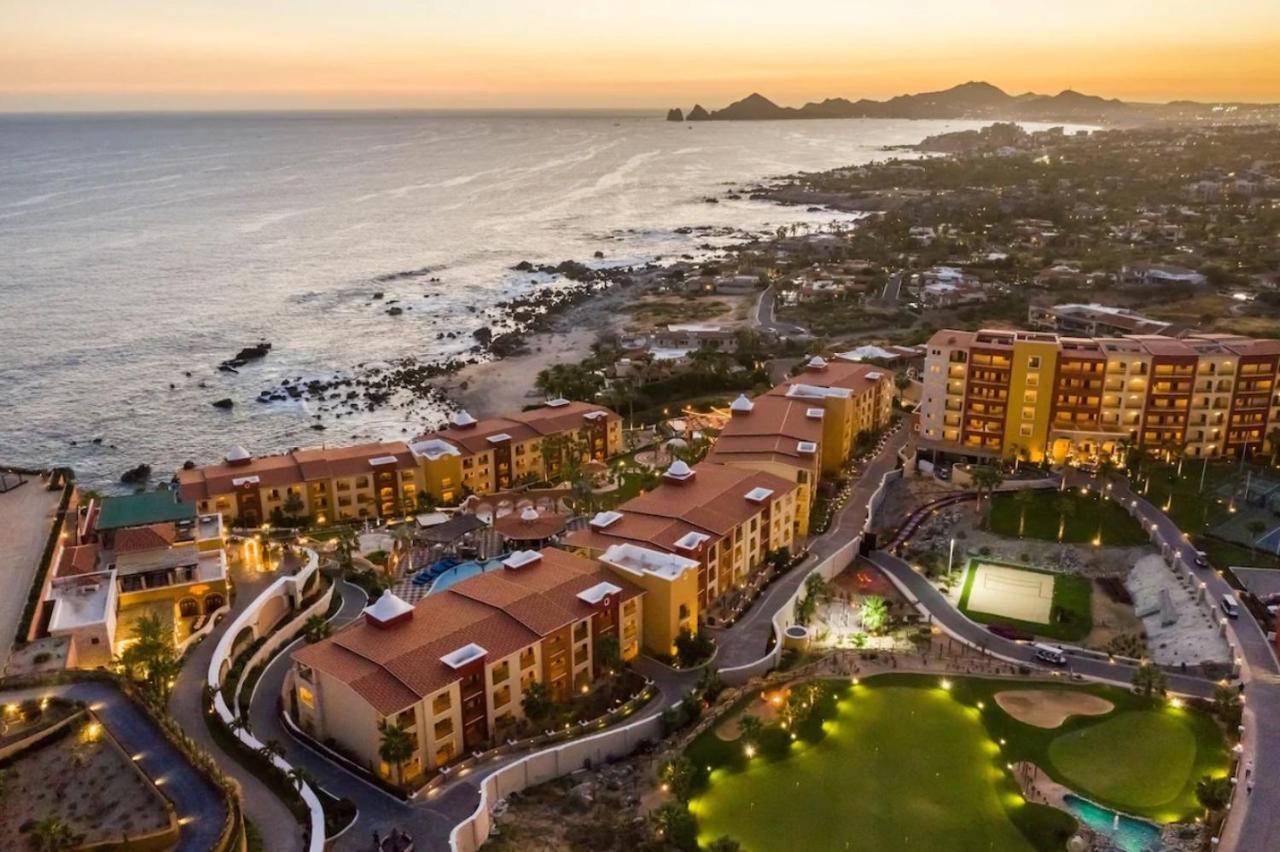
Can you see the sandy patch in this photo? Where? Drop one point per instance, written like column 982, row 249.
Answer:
column 1049, row 708
column 1011, row 593
column 763, row 709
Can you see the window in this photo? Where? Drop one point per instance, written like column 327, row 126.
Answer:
column 1033, row 362
column 1025, row 430
column 441, row 703
column 580, row 631
column 527, row 658
column 444, row 754
column 443, row 728
column 501, row 672
column 406, row 718
column 502, row 696
column 305, row 696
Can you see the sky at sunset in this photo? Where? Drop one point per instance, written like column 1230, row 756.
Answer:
column 230, row 54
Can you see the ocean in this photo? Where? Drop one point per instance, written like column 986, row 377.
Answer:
column 137, row 252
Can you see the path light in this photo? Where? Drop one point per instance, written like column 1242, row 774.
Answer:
column 749, row 751
column 981, row 706
column 1175, row 703
column 946, row 684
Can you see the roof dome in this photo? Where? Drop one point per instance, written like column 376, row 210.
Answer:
column 676, row 444
column 238, row 453
column 679, row 470
column 817, row 362
column 387, row 609
column 529, row 514
column 741, row 405
column 462, row 418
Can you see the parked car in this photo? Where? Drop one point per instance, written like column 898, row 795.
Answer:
column 1051, row 654
column 1202, row 559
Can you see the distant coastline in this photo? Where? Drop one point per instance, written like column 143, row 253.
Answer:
column 980, row 100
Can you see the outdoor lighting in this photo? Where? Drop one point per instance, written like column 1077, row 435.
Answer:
column 1175, row 703
column 946, row 684
column 749, row 751
column 981, row 706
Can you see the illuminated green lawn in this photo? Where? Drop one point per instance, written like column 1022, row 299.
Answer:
column 900, row 768
column 901, row 764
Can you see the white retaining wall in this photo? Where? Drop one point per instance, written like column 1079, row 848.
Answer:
column 291, row 586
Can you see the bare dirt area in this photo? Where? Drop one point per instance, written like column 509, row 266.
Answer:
column 1049, row 708
column 1112, row 620
column 25, row 515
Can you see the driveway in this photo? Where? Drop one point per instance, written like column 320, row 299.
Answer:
column 763, row 317
column 25, row 515
column 197, row 802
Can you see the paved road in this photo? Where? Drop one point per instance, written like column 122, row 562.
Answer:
column 763, row 317
column 748, row 639
column 1255, row 822
column 892, row 289
column 274, row 821
column 196, row 801
column 26, row 513
column 955, row 623
column 429, row 821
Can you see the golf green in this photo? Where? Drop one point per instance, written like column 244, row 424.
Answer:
column 1147, row 759
column 900, row 767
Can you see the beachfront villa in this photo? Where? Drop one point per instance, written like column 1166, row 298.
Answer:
column 452, row 670
column 146, row 554
column 395, row 478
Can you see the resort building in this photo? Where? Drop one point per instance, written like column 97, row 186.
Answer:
column 394, row 479
column 854, row 397
column 723, row 518
column 1093, row 320
column 452, row 670
column 1035, row 395
column 495, row 454
column 147, row 554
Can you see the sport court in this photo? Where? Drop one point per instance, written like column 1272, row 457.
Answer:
column 1011, row 593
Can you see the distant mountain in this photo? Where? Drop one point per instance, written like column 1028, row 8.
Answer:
column 977, row 100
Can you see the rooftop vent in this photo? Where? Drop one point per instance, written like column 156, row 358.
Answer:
column 388, row 610
column 498, row 438
column 692, row 541
column 529, row 515
column 520, row 559
column 679, row 471
column 604, row 519
column 808, row 448
column 558, row 402
column 462, row 420
column 464, row 656
column 759, row 495
column 742, row 405
column 599, row 593
column 817, row 362
column 813, row 413
column 875, row 375
column 381, row 460
column 238, row 455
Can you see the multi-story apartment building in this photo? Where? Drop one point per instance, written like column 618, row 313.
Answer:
column 393, row 478
column 452, row 670
column 1036, row 395
column 143, row 555
column 724, row 519
column 495, row 454
column 855, row 397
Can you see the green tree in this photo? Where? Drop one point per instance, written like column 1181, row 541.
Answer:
column 724, row 844
column 692, row 648
column 1226, row 704
column 270, row 750
column 1273, row 438
column 674, row 824
column 537, row 702
column 1213, row 794
column 680, row 778
column 986, row 478
column 317, row 627
column 151, row 658
column 751, row 728
column 396, row 747
column 51, row 834
column 607, row 652
column 814, row 588
column 1149, row 681
column 293, row 506
column 299, row 777
column 875, row 613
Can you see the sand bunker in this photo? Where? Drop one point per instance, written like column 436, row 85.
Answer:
column 1049, row 708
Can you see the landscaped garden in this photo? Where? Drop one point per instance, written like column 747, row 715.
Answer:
column 1055, row 606
column 1068, row 516
column 917, row 762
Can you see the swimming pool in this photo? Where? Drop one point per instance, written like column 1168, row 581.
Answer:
column 1127, row 833
column 462, row 572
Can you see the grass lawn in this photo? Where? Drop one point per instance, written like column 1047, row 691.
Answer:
column 1071, row 617
column 896, row 762
column 1042, row 514
column 862, row 780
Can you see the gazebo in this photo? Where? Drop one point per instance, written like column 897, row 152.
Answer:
column 529, row 529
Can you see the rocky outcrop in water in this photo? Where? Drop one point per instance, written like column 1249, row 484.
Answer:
column 698, row 114
column 255, row 352
column 136, row 475
column 675, row 114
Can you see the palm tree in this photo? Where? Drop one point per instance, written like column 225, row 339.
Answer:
column 239, row 723
column 986, row 479
column 1150, row 681
column 1213, row 793
column 316, row 628
column 1273, row 438
column 51, row 834
column 875, row 612
column 396, row 748
column 270, row 750
column 299, row 776
column 751, row 727
column 1225, row 700
column 1066, row 508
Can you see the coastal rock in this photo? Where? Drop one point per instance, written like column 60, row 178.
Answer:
column 136, row 475
column 698, row 114
column 395, row 312
column 675, row 114
column 249, row 353
column 225, row 403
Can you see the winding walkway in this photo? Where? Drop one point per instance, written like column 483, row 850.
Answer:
column 197, row 803
column 274, row 821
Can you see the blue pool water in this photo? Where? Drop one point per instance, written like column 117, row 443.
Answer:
column 462, row 572
column 1131, row 835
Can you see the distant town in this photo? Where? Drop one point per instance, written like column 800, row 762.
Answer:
column 979, row 482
